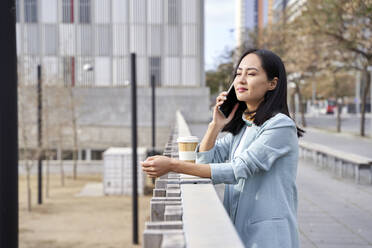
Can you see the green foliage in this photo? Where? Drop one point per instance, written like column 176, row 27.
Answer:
column 221, row 78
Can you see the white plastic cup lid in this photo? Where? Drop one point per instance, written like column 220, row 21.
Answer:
column 188, row 139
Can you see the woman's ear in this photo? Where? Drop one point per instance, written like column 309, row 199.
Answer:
column 273, row 83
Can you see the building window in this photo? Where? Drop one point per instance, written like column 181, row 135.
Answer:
column 67, row 11
column 155, row 69
column 255, row 13
column 17, row 11
column 103, row 40
column 84, row 11
column 97, row 154
column 30, row 11
column 173, row 12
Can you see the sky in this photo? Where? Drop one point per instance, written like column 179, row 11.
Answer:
column 219, row 29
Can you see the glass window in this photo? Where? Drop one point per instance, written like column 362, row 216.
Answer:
column 97, row 154
column 30, row 11
column 256, row 13
column 67, row 11
column 17, row 11
column 155, row 69
column 173, row 12
column 50, row 39
column 84, row 11
column 103, row 40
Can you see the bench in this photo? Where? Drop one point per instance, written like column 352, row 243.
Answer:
column 322, row 155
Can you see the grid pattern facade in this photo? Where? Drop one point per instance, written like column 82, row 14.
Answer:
column 68, row 36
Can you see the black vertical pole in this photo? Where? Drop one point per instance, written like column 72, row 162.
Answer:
column 39, row 138
column 134, row 148
column 8, row 128
column 153, row 113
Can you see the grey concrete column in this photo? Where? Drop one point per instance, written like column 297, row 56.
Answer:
column 80, row 153
column 88, row 154
column 59, row 154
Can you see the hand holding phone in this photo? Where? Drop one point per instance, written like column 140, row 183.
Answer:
column 229, row 103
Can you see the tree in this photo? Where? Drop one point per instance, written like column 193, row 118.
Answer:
column 220, row 78
column 349, row 24
column 25, row 127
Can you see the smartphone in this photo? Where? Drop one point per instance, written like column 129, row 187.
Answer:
column 229, row 103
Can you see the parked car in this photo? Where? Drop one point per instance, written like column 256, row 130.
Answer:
column 330, row 107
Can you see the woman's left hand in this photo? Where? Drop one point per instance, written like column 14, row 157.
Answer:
column 156, row 166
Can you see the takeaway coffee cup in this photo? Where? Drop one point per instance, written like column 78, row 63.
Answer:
column 186, row 148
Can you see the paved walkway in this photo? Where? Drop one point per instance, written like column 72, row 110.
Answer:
column 332, row 212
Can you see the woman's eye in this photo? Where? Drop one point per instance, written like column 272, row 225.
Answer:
column 251, row 74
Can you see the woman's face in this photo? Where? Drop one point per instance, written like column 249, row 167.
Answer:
column 251, row 82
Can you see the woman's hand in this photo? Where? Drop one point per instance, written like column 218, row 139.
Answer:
column 157, row 166
column 218, row 118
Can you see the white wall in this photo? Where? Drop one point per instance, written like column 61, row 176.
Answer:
column 102, row 71
column 48, row 11
column 120, row 11
column 67, row 39
column 120, row 40
column 172, row 72
column 138, row 39
column 155, row 12
column 102, row 11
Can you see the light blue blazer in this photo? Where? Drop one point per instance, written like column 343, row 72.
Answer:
column 260, row 193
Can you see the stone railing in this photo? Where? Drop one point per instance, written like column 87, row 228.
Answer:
column 186, row 210
column 338, row 161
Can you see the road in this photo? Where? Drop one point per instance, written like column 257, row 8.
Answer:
column 349, row 123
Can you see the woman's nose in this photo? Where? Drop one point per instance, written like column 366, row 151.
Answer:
column 241, row 79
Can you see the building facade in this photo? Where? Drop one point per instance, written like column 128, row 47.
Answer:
column 88, row 42
column 251, row 16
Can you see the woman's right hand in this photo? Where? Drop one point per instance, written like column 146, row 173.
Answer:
column 219, row 120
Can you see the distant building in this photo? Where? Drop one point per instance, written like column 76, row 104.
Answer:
column 88, row 42
column 291, row 8
column 252, row 16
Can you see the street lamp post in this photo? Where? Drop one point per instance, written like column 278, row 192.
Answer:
column 153, row 114
column 8, row 128
column 39, row 140
column 357, row 93
column 369, row 68
column 134, row 148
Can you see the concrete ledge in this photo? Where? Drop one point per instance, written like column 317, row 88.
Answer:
column 164, row 225
column 153, row 238
column 205, row 220
column 165, row 199
column 172, row 213
column 162, row 183
column 196, row 181
column 325, row 156
column 173, row 186
column 157, row 209
column 173, row 192
column 173, row 241
column 158, row 192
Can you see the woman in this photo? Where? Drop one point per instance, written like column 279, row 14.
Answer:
column 257, row 159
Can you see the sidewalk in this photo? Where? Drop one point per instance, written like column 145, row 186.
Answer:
column 332, row 212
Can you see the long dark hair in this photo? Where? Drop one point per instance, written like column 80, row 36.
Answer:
column 275, row 101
